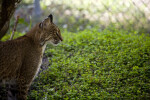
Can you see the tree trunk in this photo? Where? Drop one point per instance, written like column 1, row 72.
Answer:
column 37, row 8
column 7, row 8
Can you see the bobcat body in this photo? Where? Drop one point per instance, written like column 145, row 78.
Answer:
column 20, row 59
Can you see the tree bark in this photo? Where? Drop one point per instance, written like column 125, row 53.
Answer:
column 7, row 8
column 37, row 8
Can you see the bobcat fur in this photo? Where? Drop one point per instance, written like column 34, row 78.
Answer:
column 20, row 59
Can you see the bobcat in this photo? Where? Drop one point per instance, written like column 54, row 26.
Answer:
column 20, row 59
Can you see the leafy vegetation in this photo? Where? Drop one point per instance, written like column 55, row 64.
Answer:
column 94, row 64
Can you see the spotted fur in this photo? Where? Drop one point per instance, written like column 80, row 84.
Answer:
column 20, row 59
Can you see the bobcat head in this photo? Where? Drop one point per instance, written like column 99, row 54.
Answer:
column 49, row 32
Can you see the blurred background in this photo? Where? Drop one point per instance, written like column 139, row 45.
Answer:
column 103, row 61
column 75, row 15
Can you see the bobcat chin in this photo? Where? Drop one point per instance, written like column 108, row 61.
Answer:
column 20, row 59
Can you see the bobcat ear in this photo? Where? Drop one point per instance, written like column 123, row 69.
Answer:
column 51, row 18
column 41, row 25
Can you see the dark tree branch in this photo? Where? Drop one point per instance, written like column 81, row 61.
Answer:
column 14, row 30
column 7, row 8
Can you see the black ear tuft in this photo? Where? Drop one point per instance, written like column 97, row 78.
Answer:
column 51, row 17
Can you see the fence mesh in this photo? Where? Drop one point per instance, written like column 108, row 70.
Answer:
column 133, row 14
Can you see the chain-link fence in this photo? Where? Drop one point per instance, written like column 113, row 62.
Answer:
column 82, row 14
column 131, row 14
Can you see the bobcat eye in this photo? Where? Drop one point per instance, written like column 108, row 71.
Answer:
column 58, row 35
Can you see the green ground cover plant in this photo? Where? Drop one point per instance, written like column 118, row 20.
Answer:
column 96, row 65
column 93, row 64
